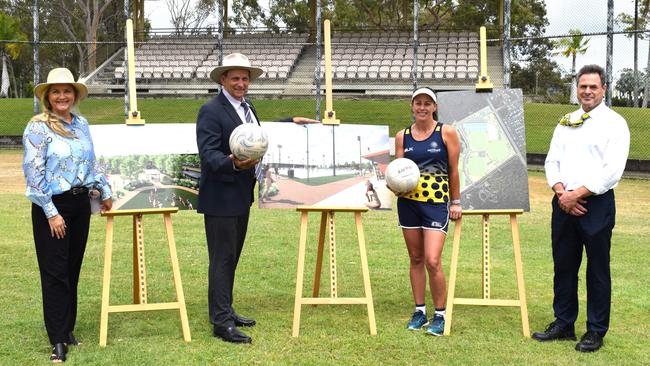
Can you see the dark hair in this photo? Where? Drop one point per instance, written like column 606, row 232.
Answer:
column 435, row 114
column 592, row 69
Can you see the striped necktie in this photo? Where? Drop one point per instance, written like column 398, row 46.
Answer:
column 247, row 112
column 249, row 119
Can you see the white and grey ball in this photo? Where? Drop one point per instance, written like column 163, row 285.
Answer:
column 248, row 141
column 402, row 175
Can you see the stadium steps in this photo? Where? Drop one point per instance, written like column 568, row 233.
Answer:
column 301, row 79
column 105, row 72
column 495, row 65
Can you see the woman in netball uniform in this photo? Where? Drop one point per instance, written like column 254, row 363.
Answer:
column 424, row 213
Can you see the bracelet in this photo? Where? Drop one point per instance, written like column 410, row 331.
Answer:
column 455, row 202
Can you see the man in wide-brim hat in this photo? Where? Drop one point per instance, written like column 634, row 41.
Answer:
column 226, row 189
column 235, row 61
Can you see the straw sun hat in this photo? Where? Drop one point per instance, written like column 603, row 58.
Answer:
column 235, row 61
column 61, row 75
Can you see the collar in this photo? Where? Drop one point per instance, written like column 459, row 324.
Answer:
column 235, row 102
column 596, row 112
column 74, row 121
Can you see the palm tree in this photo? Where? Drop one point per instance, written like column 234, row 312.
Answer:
column 9, row 30
column 572, row 46
column 627, row 20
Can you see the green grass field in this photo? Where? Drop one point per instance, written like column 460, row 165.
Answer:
column 265, row 288
column 540, row 119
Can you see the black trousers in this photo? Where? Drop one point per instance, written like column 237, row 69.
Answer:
column 59, row 262
column 225, row 236
column 570, row 234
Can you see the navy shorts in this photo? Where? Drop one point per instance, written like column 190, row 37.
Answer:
column 422, row 215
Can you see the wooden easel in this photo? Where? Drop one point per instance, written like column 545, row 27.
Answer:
column 139, row 273
column 327, row 223
column 486, row 300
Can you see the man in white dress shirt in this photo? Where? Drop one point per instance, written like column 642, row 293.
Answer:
column 585, row 161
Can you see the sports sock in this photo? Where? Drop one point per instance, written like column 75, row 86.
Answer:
column 441, row 312
column 422, row 308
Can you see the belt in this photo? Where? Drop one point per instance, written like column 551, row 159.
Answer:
column 77, row 191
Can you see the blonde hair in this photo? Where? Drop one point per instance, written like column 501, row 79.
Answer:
column 51, row 119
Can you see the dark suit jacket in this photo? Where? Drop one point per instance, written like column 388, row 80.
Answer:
column 222, row 190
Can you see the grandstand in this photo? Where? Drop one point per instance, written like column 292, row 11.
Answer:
column 364, row 64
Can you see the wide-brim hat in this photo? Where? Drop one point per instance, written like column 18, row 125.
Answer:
column 427, row 91
column 235, row 61
column 61, row 75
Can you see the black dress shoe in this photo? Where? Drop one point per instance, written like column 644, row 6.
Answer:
column 58, row 353
column 555, row 332
column 590, row 342
column 241, row 321
column 231, row 333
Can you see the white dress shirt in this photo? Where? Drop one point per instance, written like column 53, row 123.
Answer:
column 237, row 104
column 592, row 155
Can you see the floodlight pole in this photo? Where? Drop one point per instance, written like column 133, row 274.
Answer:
column 506, row 44
column 609, row 69
column 635, row 95
column 484, row 83
column 37, row 66
column 220, row 28
column 319, row 45
column 414, row 68
column 360, row 170
column 134, row 115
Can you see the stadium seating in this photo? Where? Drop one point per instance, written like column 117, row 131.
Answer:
column 374, row 59
column 173, row 58
column 441, row 55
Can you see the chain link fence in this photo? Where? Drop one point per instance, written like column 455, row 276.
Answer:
column 373, row 74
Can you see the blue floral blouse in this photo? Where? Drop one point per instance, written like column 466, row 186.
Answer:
column 53, row 163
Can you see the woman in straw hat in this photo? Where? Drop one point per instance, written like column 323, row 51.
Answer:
column 59, row 166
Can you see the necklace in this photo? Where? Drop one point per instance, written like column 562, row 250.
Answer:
column 565, row 121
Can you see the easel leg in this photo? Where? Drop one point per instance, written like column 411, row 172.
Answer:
column 180, row 297
column 520, row 275
column 485, row 223
column 366, row 274
column 139, row 271
column 299, row 274
column 452, row 276
column 319, row 255
column 106, row 283
column 332, row 261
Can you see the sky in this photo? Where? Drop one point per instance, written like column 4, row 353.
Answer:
column 591, row 21
column 563, row 15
